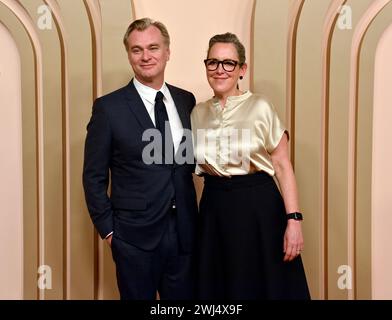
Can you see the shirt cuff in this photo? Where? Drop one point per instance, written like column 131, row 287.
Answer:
column 109, row 235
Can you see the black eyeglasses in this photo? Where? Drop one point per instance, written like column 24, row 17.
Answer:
column 227, row 64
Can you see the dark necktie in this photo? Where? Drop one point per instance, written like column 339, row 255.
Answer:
column 161, row 118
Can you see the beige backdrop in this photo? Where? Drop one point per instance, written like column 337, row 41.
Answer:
column 326, row 68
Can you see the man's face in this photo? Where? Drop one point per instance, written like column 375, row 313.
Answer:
column 148, row 55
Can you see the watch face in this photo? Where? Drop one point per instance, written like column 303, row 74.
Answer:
column 295, row 216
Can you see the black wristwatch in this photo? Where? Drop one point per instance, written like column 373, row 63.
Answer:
column 295, row 216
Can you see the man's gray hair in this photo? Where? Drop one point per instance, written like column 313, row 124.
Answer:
column 143, row 24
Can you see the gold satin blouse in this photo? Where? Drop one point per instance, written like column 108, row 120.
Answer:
column 236, row 139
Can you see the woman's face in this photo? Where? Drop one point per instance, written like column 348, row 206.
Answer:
column 224, row 83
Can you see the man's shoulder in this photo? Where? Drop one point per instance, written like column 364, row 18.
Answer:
column 113, row 96
column 179, row 90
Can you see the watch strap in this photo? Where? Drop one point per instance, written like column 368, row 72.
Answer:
column 294, row 215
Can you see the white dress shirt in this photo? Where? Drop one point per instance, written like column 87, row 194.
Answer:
column 148, row 96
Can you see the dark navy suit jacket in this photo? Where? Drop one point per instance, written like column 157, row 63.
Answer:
column 140, row 193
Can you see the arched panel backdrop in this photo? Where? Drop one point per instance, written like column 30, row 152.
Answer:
column 324, row 64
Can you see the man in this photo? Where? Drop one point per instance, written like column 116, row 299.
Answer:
column 149, row 218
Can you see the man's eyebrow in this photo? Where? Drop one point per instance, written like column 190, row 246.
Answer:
column 150, row 45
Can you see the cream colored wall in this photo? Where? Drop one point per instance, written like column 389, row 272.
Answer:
column 365, row 153
column 77, row 66
column 116, row 73
column 340, row 80
column 307, row 124
column 269, row 57
column 81, row 93
column 29, row 146
column 11, row 189
column 381, row 220
column 53, row 226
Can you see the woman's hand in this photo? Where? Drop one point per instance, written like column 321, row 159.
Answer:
column 293, row 242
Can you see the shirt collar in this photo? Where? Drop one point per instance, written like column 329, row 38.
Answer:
column 231, row 101
column 149, row 93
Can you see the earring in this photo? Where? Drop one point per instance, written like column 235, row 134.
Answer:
column 241, row 77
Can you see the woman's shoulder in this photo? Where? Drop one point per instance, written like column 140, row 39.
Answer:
column 202, row 106
column 260, row 100
column 205, row 103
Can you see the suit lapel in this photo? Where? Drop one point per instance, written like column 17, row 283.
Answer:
column 180, row 106
column 137, row 107
column 139, row 110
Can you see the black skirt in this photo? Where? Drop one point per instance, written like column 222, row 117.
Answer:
column 240, row 251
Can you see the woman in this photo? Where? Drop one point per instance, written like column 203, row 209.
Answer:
column 251, row 237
